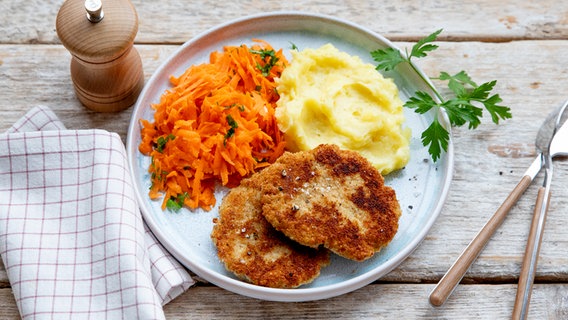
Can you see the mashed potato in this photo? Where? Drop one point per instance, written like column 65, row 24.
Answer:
column 328, row 96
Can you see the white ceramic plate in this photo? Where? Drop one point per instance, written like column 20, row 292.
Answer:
column 421, row 186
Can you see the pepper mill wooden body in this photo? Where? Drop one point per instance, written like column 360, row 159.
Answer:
column 106, row 69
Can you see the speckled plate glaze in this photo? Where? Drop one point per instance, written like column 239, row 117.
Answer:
column 421, row 187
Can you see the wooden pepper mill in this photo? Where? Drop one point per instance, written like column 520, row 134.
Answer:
column 106, row 69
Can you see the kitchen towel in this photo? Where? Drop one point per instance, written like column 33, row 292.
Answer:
column 72, row 238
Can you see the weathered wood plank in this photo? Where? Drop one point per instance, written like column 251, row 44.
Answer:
column 383, row 301
column 161, row 22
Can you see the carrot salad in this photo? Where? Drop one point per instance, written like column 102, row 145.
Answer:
column 215, row 125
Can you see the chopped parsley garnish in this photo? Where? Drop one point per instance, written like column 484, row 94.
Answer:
column 176, row 203
column 273, row 59
column 161, row 142
column 233, row 126
column 238, row 105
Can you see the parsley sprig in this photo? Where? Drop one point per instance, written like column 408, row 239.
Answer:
column 465, row 107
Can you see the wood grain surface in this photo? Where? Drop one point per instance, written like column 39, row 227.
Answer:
column 522, row 45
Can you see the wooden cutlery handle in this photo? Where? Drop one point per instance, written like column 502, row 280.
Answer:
column 528, row 268
column 456, row 272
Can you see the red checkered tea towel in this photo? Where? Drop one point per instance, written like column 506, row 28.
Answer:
column 72, row 238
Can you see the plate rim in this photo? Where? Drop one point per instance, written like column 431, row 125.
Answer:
column 277, row 294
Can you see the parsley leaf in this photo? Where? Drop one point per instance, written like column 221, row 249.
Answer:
column 465, row 107
column 437, row 138
column 424, row 45
column 388, row 58
column 461, row 111
column 497, row 112
column 421, row 103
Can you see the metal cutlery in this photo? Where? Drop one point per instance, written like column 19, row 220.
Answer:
column 558, row 144
column 453, row 276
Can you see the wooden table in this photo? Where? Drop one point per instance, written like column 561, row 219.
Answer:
column 521, row 44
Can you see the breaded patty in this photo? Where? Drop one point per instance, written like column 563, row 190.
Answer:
column 330, row 197
column 253, row 250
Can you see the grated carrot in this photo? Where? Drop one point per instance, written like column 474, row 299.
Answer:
column 215, row 125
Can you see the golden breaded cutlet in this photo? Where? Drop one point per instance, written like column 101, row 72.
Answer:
column 253, row 250
column 330, row 197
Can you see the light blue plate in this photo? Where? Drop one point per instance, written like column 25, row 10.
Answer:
column 421, row 186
